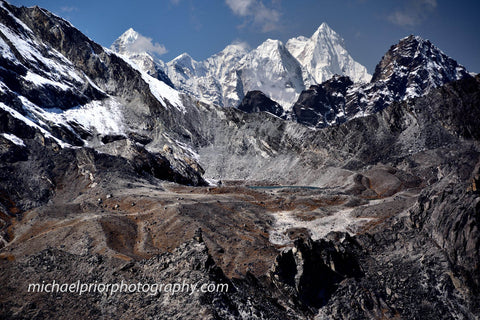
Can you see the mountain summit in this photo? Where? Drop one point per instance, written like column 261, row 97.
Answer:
column 128, row 46
column 124, row 43
column 324, row 55
column 414, row 66
column 272, row 69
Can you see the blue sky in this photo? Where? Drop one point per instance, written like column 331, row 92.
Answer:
column 204, row 27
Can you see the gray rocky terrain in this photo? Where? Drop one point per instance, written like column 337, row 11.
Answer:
column 376, row 217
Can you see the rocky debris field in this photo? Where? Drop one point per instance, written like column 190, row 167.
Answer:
column 375, row 250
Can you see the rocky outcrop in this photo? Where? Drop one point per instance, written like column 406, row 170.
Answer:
column 311, row 271
column 401, row 268
column 28, row 75
column 323, row 105
column 164, row 166
column 31, row 173
column 384, row 274
column 256, row 101
column 414, row 66
column 449, row 214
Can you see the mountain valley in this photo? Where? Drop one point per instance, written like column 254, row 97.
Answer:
column 322, row 193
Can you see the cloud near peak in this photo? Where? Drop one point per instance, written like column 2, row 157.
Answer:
column 257, row 12
column 145, row 44
column 412, row 13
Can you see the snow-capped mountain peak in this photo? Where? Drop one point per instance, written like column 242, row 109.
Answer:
column 324, row 55
column 234, row 49
column 272, row 69
column 191, row 77
column 271, row 49
column 124, row 43
column 271, row 43
column 130, row 35
column 224, row 62
column 184, row 60
column 325, row 30
column 409, row 69
column 418, row 65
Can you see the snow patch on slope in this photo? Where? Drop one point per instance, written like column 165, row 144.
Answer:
column 14, row 113
column 104, row 117
column 38, row 80
column 13, row 138
column 29, row 50
column 164, row 94
column 5, row 51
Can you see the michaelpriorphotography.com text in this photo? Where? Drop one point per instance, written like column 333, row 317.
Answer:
column 171, row 288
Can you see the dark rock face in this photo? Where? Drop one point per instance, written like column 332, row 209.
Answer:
column 67, row 70
column 417, row 64
column 107, row 71
column 41, row 164
column 459, row 114
column 367, row 277
column 48, row 96
column 311, row 271
column 395, row 262
column 324, row 104
column 160, row 167
column 162, row 76
column 456, row 232
column 256, row 101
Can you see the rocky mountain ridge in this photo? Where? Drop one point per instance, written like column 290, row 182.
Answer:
column 409, row 69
